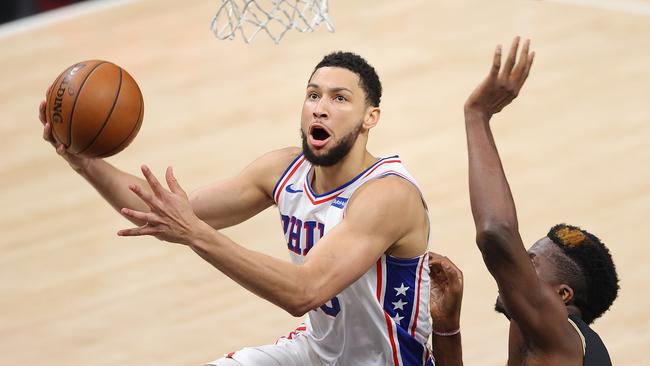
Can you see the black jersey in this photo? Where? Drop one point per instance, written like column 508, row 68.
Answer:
column 595, row 351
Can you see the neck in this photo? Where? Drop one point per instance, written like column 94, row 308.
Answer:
column 331, row 177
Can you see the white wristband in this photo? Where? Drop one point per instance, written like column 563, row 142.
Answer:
column 447, row 334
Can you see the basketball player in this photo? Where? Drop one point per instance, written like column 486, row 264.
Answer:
column 565, row 281
column 356, row 229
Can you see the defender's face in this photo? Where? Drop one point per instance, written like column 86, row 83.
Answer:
column 333, row 110
column 540, row 255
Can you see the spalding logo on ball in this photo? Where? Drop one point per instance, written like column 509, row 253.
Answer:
column 95, row 109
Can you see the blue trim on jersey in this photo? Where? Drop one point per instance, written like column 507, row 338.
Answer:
column 403, row 261
column 411, row 351
column 401, row 273
column 400, row 296
column 284, row 174
column 317, row 196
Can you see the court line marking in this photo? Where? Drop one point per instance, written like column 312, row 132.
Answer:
column 630, row 6
column 58, row 15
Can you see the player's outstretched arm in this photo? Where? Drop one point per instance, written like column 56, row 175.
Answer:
column 111, row 183
column 374, row 222
column 495, row 217
column 220, row 204
column 446, row 296
column 236, row 199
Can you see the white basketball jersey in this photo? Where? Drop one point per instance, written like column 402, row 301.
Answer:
column 382, row 318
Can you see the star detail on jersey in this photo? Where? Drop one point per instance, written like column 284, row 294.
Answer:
column 398, row 318
column 401, row 290
column 399, row 304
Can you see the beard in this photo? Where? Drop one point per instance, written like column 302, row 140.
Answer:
column 335, row 154
column 500, row 308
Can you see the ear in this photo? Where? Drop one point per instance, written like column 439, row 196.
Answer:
column 566, row 293
column 371, row 118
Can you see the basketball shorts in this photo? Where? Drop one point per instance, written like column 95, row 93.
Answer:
column 291, row 350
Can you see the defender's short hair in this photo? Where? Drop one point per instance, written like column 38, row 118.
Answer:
column 595, row 264
column 368, row 78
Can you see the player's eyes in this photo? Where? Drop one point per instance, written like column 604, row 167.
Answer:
column 340, row 98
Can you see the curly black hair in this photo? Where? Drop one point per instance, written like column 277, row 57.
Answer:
column 368, row 78
column 596, row 286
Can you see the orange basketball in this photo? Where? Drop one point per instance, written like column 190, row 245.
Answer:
column 95, row 108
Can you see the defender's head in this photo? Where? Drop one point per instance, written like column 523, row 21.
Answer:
column 579, row 267
column 341, row 106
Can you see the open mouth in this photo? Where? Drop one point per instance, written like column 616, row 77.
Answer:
column 319, row 133
column 319, row 136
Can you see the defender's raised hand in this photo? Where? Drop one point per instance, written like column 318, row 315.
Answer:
column 502, row 84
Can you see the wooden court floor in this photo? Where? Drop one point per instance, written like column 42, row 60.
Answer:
column 575, row 144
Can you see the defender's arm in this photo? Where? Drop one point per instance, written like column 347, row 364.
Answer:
column 529, row 303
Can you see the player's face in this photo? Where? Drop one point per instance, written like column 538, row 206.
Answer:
column 332, row 115
column 540, row 255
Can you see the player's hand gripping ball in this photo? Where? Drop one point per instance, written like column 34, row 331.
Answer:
column 95, row 109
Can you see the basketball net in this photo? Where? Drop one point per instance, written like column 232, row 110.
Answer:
column 275, row 17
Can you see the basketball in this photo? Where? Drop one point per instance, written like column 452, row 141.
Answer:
column 95, row 108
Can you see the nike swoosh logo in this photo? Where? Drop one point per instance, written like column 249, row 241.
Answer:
column 291, row 190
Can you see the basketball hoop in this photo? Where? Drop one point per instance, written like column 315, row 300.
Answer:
column 275, row 17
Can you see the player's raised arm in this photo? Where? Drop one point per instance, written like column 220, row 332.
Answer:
column 111, row 183
column 241, row 196
column 492, row 204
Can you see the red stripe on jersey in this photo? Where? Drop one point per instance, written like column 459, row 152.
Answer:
column 417, row 302
column 379, row 284
column 313, row 200
column 277, row 194
column 230, row 355
column 390, row 336
column 388, row 319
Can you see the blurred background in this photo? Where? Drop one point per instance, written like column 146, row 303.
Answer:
column 16, row 9
column 575, row 145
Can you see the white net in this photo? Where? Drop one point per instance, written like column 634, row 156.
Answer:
column 275, row 17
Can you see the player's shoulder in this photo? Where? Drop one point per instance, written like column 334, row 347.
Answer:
column 269, row 167
column 387, row 192
column 280, row 158
column 390, row 186
column 392, row 208
column 276, row 159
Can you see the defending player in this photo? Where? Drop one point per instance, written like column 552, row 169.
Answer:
column 356, row 229
column 564, row 282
